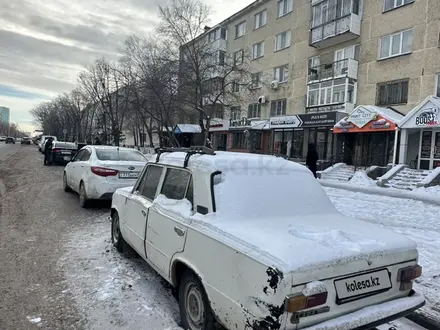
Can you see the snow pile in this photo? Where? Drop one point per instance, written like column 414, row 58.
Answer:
column 360, row 178
column 370, row 314
column 392, row 172
column 313, row 288
column 434, row 190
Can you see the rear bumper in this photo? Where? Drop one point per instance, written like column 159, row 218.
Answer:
column 103, row 189
column 373, row 316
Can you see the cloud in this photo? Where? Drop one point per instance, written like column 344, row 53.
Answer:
column 45, row 44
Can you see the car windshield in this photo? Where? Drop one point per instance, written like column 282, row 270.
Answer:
column 68, row 145
column 124, row 155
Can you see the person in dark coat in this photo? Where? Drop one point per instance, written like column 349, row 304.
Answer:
column 312, row 158
column 47, row 149
column 97, row 141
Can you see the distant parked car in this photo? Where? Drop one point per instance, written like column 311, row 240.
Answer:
column 26, row 140
column 2, row 138
column 95, row 172
column 10, row 139
column 43, row 140
column 62, row 152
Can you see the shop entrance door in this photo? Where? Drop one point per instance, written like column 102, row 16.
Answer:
column 429, row 150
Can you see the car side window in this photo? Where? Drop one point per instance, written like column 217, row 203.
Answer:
column 78, row 156
column 176, row 183
column 86, row 156
column 148, row 186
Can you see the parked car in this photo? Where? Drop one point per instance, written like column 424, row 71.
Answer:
column 26, row 140
column 43, row 140
column 62, row 152
column 10, row 139
column 253, row 241
column 2, row 138
column 95, row 172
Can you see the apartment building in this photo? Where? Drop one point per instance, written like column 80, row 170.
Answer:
column 314, row 62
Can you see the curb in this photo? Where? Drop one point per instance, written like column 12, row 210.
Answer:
column 423, row 321
column 425, row 198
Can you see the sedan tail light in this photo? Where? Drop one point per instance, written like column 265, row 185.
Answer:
column 406, row 275
column 300, row 302
column 102, row 171
column 56, row 150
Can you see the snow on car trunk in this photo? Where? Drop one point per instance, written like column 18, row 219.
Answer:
column 119, row 163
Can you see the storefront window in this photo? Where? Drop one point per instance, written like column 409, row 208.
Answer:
column 278, row 140
column 437, row 146
column 297, row 144
column 289, row 143
column 322, row 138
column 238, row 140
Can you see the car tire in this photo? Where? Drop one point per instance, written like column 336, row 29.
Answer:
column 117, row 239
column 66, row 187
column 195, row 310
column 83, row 200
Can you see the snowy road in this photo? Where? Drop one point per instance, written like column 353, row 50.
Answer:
column 416, row 220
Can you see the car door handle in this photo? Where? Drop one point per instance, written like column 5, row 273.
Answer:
column 179, row 231
column 144, row 213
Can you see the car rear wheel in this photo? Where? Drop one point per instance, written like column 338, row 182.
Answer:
column 83, row 200
column 117, row 239
column 65, row 185
column 195, row 310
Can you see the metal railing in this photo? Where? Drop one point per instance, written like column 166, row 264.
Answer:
column 331, row 160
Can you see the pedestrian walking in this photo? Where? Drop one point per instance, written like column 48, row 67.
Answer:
column 47, row 149
column 312, row 158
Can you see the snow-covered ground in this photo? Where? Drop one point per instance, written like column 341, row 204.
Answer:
column 116, row 292
column 416, row 220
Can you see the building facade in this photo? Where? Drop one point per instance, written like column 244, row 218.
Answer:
column 5, row 114
column 313, row 62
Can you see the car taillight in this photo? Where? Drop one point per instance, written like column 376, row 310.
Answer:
column 300, row 302
column 406, row 275
column 102, row 171
column 56, row 150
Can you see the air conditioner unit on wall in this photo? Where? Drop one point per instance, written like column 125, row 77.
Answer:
column 274, row 84
column 262, row 99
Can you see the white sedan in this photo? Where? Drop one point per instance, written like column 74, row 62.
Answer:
column 95, row 172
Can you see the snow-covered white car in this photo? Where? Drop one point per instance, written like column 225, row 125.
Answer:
column 253, row 242
column 95, row 172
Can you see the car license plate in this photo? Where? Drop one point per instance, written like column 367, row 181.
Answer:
column 66, row 152
column 68, row 158
column 128, row 175
column 362, row 284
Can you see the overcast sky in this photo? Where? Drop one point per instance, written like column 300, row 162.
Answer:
column 45, row 43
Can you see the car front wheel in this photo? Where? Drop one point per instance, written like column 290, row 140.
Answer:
column 65, row 185
column 195, row 310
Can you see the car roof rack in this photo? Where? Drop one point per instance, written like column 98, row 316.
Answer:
column 194, row 150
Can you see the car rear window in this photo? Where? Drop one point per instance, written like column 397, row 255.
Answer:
column 124, row 155
column 67, row 145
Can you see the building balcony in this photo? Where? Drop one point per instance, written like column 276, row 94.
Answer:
column 335, row 31
column 347, row 68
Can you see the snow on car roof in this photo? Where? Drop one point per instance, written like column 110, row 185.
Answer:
column 225, row 161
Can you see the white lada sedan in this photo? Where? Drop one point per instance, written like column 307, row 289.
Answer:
column 253, row 242
column 95, row 172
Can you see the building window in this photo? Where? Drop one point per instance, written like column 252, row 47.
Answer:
column 437, row 85
column 330, row 92
column 235, row 87
column 235, row 113
column 396, row 44
column 238, row 140
column 240, row 29
column 284, row 7
column 314, row 62
column 238, row 57
column 289, row 143
column 219, row 113
column 278, row 107
column 283, row 40
column 393, row 92
column 258, row 50
column 256, row 80
column 221, row 55
column 254, row 110
column 218, row 33
column 281, row 73
column 392, row 4
column 260, row 19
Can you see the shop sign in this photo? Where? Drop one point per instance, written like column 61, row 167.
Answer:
column 218, row 125
column 239, row 123
column 427, row 117
column 320, row 119
column 326, row 108
column 380, row 124
column 285, row 122
column 361, row 117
